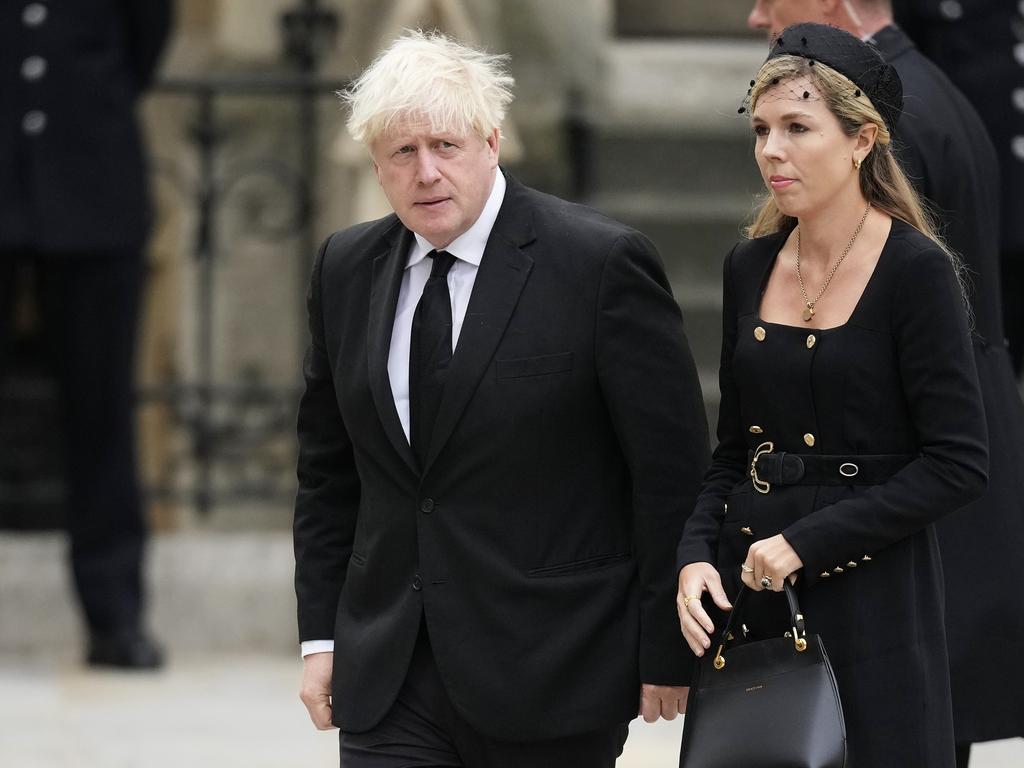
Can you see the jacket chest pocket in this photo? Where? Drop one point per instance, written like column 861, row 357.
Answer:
column 527, row 367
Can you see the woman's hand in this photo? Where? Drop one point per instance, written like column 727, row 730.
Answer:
column 694, row 580
column 771, row 558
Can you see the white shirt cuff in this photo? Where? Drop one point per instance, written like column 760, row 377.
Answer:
column 317, row 646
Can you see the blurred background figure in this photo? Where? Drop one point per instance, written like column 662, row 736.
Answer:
column 74, row 214
column 980, row 45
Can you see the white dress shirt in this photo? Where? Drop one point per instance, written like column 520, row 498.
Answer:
column 468, row 250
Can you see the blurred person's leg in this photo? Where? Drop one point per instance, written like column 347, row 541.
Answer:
column 8, row 263
column 91, row 308
column 1013, row 306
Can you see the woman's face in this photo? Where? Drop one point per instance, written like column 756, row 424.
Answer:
column 805, row 158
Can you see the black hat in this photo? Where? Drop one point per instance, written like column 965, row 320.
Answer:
column 860, row 62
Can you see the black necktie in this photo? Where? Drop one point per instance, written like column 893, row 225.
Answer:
column 430, row 353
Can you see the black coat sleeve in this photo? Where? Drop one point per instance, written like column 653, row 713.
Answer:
column 653, row 395
column 327, row 502
column 699, row 542
column 940, row 385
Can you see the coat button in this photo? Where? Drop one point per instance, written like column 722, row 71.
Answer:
column 746, row 531
column 755, row 430
column 866, row 558
column 825, row 575
column 837, row 569
column 427, row 506
column 34, row 122
column 951, row 10
column 1018, row 99
column 1017, row 145
column 809, row 440
column 417, row 583
column 811, row 341
column 851, row 564
column 759, row 333
column 33, row 68
column 33, row 15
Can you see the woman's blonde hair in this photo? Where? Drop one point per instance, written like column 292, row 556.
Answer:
column 882, row 181
column 428, row 77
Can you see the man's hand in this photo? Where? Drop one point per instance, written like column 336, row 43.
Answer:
column 317, row 669
column 662, row 701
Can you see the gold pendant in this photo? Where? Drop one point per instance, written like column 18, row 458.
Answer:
column 808, row 313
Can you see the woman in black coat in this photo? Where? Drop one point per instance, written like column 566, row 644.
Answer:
column 851, row 417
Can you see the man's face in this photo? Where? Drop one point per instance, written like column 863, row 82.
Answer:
column 773, row 16
column 437, row 182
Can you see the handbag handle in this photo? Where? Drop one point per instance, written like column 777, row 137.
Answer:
column 796, row 622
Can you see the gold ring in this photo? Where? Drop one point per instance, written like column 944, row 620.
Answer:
column 687, row 599
column 766, row 582
column 746, row 569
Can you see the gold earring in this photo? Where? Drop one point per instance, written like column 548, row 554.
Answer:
column 856, row 163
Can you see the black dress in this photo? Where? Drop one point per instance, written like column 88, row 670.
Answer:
column 898, row 379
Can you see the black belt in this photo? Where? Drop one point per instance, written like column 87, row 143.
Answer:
column 769, row 467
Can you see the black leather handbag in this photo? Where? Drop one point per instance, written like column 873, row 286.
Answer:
column 765, row 703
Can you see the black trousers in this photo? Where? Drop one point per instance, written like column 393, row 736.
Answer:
column 89, row 306
column 423, row 729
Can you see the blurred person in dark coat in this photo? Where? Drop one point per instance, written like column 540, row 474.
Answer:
column 979, row 44
column 74, row 206
column 943, row 146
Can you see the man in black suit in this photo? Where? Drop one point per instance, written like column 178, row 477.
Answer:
column 73, row 206
column 979, row 44
column 944, row 148
column 501, row 437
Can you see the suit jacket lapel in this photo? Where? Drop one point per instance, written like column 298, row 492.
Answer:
column 503, row 273
column 388, row 269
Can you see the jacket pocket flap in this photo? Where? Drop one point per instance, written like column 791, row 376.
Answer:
column 533, row 366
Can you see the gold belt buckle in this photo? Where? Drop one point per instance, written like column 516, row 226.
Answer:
column 760, row 485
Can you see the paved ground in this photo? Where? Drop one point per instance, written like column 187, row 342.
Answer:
column 218, row 712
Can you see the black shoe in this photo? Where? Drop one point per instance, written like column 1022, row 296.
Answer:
column 126, row 650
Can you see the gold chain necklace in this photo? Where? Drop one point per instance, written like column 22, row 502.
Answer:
column 809, row 311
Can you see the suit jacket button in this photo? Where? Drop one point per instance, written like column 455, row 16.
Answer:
column 809, row 440
column 417, row 583
column 34, row 122
column 759, row 333
column 427, row 506
column 34, row 15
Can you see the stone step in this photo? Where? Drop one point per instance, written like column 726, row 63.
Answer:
column 650, row 160
column 209, row 592
column 693, row 233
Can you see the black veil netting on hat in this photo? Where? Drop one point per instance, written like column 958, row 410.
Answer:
column 857, row 60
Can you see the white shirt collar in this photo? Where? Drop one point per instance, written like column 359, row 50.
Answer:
column 469, row 246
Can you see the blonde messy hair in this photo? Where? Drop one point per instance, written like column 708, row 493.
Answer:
column 426, row 76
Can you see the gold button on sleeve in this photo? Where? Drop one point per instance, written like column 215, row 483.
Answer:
column 746, row 531
column 809, row 439
column 851, row 564
column 759, row 333
column 825, row 575
column 837, row 569
column 866, row 558
column 755, row 430
column 811, row 341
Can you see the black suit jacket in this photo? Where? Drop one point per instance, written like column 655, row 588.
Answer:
column 78, row 185
column 538, row 539
column 977, row 47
